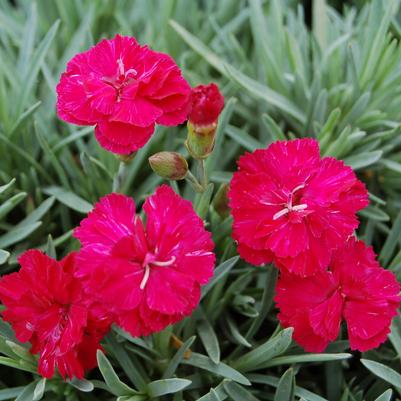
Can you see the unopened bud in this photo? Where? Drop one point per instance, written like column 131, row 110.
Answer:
column 206, row 105
column 200, row 140
column 170, row 165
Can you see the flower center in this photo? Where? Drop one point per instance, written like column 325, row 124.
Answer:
column 122, row 78
column 150, row 259
column 122, row 74
column 290, row 207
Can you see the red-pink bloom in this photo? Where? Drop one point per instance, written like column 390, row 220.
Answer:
column 355, row 288
column 206, row 104
column 45, row 305
column 148, row 277
column 293, row 207
column 124, row 89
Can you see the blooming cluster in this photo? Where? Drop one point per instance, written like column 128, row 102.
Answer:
column 123, row 89
column 298, row 210
column 289, row 206
column 141, row 279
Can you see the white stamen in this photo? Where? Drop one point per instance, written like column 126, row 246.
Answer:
column 145, row 277
column 166, row 263
column 120, row 66
column 280, row 213
column 288, row 209
column 132, row 71
column 147, row 270
column 298, row 188
column 303, row 206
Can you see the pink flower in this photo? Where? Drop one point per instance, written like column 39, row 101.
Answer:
column 45, row 305
column 292, row 207
column 147, row 277
column 206, row 104
column 355, row 288
column 124, row 89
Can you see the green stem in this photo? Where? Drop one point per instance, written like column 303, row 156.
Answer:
column 202, row 173
column 119, row 177
column 194, row 182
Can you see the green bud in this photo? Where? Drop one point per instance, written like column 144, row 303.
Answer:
column 200, row 140
column 170, row 165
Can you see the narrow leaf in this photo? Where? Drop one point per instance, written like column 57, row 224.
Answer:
column 238, row 393
column 167, row 386
column 82, row 385
column 220, row 369
column 290, row 359
column 177, row 358
column 384, row 372
column 265, row 352
column 386, row 396
column 39, row 390
column 4, row 255
column 286, row 386
column 4, row 188
column 265, row 93
column 219, row 272
column 209, row 338
column 68, row 198
column 115, row 385
column 18, row 234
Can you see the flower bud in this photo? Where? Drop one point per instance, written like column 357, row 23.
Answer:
column 200, row 140
column 170, row 165
column 206, row 104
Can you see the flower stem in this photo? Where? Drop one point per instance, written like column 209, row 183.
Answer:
column 194, row 182
column 202, row 173
column 119, row 177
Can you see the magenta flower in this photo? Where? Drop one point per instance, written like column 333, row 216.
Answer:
column 123, row 89
column 292, row 207
column 45, row 305
column 355, row 288
column 147, row 277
